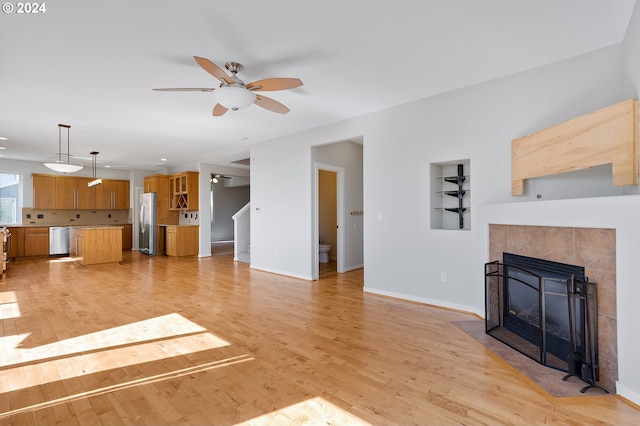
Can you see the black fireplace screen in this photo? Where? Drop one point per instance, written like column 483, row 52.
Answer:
column 545, row 310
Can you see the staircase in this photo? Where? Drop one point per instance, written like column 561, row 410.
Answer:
column 242, row 234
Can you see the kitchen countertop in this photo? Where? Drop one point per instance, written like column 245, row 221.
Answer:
column 31, row 225
column 99, row 226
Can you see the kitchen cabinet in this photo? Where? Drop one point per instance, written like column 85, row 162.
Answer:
column 44, row 191
column 182, row 240
column 36, row 241
column 74, row 193
column 160, row 185
column 183, row 189
column 15, row 245
column 127, row 234
column 112, row 194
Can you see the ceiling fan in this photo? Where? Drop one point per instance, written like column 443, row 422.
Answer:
column 215, row 178
column 233, row 94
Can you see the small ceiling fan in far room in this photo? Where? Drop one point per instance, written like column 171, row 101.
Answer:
column 215, row 178
column 233, row 94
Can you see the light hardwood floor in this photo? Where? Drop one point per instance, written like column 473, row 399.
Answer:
column 158, row 340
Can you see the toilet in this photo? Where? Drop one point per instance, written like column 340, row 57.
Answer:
column 324, row 253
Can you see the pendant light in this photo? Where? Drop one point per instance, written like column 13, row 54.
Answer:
column 61, row 162
column 95, row 181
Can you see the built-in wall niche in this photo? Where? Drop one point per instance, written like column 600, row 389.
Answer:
column 450, row 195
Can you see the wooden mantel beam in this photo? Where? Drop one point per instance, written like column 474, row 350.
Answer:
column 605, row 136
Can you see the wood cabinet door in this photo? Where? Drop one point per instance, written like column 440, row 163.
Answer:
column 151, row 183
column 192, row 190
column 85, row 196
column 65, row 192
column 44, row 192
column 36, row 241
column 112, row 194
column 120, row 194
column 15, row 245
column 170, row 241
column 127, row 234
column 104, row 195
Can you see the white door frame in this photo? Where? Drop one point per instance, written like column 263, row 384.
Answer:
column 316, row 219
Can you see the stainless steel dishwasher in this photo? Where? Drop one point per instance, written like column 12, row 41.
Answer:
column 59, row 240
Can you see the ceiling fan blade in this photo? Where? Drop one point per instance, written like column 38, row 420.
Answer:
column 270, row 84
column 270, row 104
column 219, row 110
column 186, row 89
column 213, row 69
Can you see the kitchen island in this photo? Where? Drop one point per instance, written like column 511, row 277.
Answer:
column 90, row 245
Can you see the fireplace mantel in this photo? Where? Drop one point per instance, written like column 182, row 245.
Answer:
column 606, row 136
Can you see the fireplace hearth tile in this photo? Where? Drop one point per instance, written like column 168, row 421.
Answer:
column 525, row 240
column 547, row 378
column 557, row 245
column 596, row 248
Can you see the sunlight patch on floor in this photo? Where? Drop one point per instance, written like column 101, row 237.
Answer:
column 311, row 411
column 141, row 342
column 63, row 259
column 138, row 382
column 9, row 307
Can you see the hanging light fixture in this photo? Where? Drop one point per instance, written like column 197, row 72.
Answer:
column 234, row 95
column 95, row 180
column 61, row 162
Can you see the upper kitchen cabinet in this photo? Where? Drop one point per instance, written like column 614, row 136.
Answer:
column 112, row 194
column 159, row 184
column 74, row 193
column 44, row 192
column 183, row 190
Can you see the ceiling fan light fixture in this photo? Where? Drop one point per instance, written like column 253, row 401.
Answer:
column 63, row 162
column 234, row 97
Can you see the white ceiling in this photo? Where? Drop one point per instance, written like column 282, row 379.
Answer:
column 92, row 65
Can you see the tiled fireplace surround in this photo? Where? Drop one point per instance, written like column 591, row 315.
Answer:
column 593, row 248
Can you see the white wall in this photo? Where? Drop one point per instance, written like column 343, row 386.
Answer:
column 403, row 256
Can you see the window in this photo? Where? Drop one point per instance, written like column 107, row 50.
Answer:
column 9, row 198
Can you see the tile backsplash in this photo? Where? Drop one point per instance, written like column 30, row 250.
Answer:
column 74, row 217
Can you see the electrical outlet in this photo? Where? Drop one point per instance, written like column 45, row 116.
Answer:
column 443, row 276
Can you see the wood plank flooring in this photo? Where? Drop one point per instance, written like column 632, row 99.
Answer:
column 168, row 341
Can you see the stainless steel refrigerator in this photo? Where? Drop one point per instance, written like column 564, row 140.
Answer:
column 147, row 224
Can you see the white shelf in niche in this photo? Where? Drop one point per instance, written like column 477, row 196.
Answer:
column 450, row 195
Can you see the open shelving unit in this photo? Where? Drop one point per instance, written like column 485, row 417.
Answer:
column 450, row 195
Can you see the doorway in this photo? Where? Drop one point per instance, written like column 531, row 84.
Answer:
column 329, row 218
column 228, row 195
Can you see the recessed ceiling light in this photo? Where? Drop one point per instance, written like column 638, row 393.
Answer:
column 163, row 159
column 107, row 166
column 3, row 139
column 2, row 147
